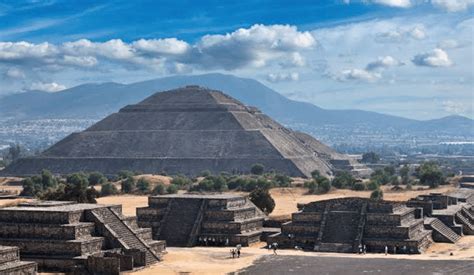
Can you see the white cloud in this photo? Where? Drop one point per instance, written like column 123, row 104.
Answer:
column 278, row 77
column 454, row 107
column 394, row 3
column 382, row 63
column 15, row 73
column 435, row 58
column 359, row 74
column 448, row 44
column 47, row 87
column 170, row 46
column 417, row 33
column 401, row 34
column 453, row 5
column 256, row 46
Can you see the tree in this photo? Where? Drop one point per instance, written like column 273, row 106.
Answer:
column 370, row 157
column 14, row 152
column 257, row 169
column 373, row 185
column 430, row 174
column 143, row 185
column 159, row 189
column 381, row 177
column 359, row 186
column 324, row 185
column 108, row 189
column 125, row 174
column 47, row 179
column 96, row 178
column 282, row 180
column 343, row 179
column 263, row 200
column 181, row 181
column 377, row 194
column 172, row 189
column 29, row 188
column 128, row 185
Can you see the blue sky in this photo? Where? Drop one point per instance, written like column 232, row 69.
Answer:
column 412, row 58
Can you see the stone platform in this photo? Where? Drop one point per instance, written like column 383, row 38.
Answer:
column 343, row 225
column 10, row 263
column 72, row 237
column 213, row 220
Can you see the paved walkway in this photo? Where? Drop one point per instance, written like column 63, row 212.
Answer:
column 335, row 265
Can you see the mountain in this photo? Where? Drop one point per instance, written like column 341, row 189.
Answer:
column 98, row 100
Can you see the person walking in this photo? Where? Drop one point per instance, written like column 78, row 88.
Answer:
column 275, row 246
column 386, row 250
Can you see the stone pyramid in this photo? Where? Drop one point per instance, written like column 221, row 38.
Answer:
column 186, row 130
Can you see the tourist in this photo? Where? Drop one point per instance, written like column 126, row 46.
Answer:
column 275, row 246
column 227, row 242
column 386, row 250
column 360, row 248
column 238, row 253
column 365, row 249
column 232, row 251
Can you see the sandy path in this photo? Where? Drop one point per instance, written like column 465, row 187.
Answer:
column 129, row 202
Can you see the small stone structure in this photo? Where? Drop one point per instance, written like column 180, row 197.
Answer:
column 346, row 224
column 214, row 220
column 467, row 182
column 454, row 210
column 80, row 238
column 10, row 263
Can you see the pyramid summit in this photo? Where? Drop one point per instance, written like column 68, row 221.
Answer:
column 185, row 130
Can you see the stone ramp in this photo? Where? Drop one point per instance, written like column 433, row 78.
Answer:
column 467, row 226
column 10, row 263
column 441, row 233
column 126, row 236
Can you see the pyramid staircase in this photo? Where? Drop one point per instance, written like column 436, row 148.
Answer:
column 467, row 226
column 126, row 236
column 441, row 233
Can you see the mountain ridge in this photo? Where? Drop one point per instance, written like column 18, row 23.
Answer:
column 96, row 100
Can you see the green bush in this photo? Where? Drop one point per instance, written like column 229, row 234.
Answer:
column 359, row 186
column 96, row 178
column 205, row 173
column 159, row 189
column 125, row 174
column 282, row 180
column 143, row 185
column 430, row 174
column 263, row 200
column 377, row 194
column 128, row 185
column 343, row 179
column 172, row 189
column 108, row 189
column 181, row 181
column 373, row 185
column 257, row 169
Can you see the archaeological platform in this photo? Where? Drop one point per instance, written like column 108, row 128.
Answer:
column 206, row 220
column 81, row 238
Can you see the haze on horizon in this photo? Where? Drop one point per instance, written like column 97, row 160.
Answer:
column 408, row 58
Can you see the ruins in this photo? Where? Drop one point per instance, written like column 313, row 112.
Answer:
column 187, row 130
column 197, row 219
column 449, row 216
column 80, row 238
column 345, row 224
column 10, row 262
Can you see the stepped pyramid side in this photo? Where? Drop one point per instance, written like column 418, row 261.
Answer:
column 186, row 130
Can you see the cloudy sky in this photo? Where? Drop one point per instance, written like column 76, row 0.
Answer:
column 412, row 58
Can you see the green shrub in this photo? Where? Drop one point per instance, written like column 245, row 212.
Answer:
column 108, row 189
column 159, row 189
column 373, row 185
column 128, row 185
column 257, row 169
column 343, row 179
column 125, row 174
column 143, row 185
column 263, row 200
column 172, row 189
column 96, row 178
column 377, row 194
column 181, row 181
column 282, row 180
column 359, row 186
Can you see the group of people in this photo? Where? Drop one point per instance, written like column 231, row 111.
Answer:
column 236, row 251
column 213, row 241
column 362, row 249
